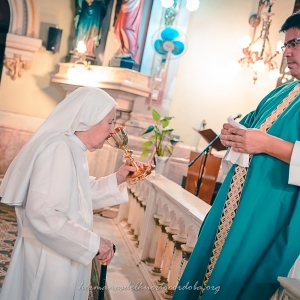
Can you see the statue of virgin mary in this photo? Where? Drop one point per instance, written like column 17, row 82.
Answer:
column 88, row 22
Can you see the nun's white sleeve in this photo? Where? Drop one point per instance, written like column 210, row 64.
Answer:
column 106, row 192
column 294, row 172
column 52, row 206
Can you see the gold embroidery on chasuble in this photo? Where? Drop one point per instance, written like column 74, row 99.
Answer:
column 235, row 191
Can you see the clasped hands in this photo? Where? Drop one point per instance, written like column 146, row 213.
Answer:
column 250, row 140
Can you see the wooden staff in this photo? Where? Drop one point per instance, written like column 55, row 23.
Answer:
column 102, row 280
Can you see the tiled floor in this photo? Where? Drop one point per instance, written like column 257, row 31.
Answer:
column 8, row 234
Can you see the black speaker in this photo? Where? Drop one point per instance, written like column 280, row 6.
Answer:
column 54, row 37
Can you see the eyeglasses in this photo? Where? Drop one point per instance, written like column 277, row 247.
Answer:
column 291, row 44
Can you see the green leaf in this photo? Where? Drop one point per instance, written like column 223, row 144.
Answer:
column 167, row 131
column 147, row 144
column 174, row 140
column 149, row 129
column 155, row 115
column 157, row 131
column 170, row 149
column 145, row 153
column 168, row 118
column 164, row 123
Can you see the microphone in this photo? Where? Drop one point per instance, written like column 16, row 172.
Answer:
column 237, row 117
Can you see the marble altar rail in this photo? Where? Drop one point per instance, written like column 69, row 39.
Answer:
column 160, row 224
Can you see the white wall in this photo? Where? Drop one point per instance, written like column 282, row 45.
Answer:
column 204, row 88
column 34, row 94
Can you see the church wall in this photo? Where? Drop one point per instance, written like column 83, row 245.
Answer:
column 204, row 88
column 203, row 85
column 33, row 94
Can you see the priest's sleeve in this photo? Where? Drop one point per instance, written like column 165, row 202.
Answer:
column 294, row 172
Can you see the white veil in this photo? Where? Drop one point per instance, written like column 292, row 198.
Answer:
column 79, row 111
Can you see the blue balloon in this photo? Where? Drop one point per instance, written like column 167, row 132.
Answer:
column 158, row 46
column 179, row 47
column 169, row 34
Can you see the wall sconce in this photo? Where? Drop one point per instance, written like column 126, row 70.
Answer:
column 81, row 69
column 53, row 41
column 191, row 5
column 80, row 52
column 258, row 51
column 167, row 3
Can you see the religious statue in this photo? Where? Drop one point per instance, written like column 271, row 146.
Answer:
column 88, row 22
column 127, row 25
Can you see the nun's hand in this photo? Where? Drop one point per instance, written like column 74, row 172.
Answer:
column 127, row 168
column 106, row 252
column 124, row 171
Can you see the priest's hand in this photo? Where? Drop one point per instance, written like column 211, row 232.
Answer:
column 106, row 252
column 225, row 131
column 251, row 141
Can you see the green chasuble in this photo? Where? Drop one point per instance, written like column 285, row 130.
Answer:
column 264, row 239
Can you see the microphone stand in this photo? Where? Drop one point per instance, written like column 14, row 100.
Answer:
column 206, row 151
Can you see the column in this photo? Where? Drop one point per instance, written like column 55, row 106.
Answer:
column 124, row 210
column 139, row 214
column 168, row 254
column 136, row 223
column 133, row 212
column 161, row 248
column 175, row 268
column 140, row 221
column 155, row 238
column 130, row 204
column 186, row 250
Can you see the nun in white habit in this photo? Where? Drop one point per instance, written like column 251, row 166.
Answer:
column 54, row 197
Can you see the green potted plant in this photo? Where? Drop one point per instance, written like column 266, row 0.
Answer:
column 160, row 137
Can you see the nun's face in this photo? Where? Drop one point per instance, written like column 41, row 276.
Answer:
column 95, row 137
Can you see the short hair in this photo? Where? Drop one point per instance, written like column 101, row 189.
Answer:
column 292, row 21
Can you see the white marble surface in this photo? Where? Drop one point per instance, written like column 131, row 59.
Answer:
column 192, row 206
column 172, row 205
column 108, row 78
column 291, row 287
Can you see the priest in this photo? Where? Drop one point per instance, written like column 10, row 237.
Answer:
column 251, row 234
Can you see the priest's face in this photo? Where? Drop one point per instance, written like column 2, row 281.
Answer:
column 292, row 51
column 96, row 135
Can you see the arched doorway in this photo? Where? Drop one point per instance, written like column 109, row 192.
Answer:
column 4, row 26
